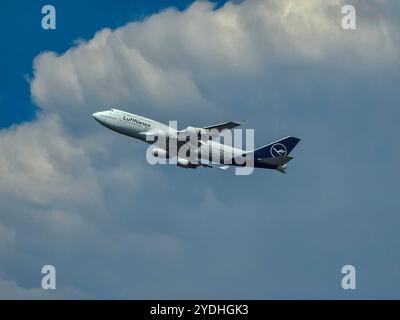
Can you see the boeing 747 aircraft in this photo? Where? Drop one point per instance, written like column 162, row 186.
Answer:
column 272, row 156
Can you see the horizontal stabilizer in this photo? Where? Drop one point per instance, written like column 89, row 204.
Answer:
column 278, row 161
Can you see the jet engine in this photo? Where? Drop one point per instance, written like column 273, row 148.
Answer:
column 184, row 163
column 159, row 153
column 195, row 131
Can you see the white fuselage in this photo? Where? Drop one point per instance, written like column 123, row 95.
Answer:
column 136, row 126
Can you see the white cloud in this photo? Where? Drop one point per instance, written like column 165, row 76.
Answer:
column 7, row 237
column 39, row 154
column 63, row 188
column 11, row 290
column 181, row 60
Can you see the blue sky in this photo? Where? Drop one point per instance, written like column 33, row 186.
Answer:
column 79, row 197
column 20, row 21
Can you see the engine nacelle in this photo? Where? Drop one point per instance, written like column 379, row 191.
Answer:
column 185, row 163
column 159, row 153
column 195, row 131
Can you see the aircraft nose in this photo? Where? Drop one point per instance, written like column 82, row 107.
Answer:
column 96, row 116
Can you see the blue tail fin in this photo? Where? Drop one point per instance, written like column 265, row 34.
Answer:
column 276, row 149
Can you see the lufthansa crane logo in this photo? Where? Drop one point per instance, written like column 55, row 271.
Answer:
column 278, row 150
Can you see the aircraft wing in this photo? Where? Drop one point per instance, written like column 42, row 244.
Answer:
column 209, row 165
column 215, row 167
column 152, row 133
column 225, row 125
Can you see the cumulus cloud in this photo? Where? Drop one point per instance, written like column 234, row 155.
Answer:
column 85, row 199
column 187, row 60
column 58, row 207
column 38, row 154
column 6, row 237
column 11, row 290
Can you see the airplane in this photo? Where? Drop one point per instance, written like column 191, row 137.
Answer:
column 274, row 155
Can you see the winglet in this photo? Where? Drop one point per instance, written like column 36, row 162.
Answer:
column 225, row 125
